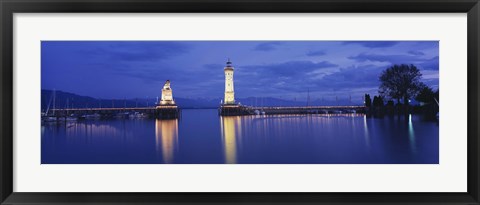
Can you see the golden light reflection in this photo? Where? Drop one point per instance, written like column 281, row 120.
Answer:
column 230, row 128
column 166, row 138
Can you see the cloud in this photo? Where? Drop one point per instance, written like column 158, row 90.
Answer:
column 373, row 44
column 210, row 70
column 355, row 81
column 268, row 46
column 405, row 59
column 144, row 60
column 352, row 77
column 416, row 53
column 290, row 68
column 430, row 74
column 316, row 53
column 286, row 78
column 129, row 51
column 431, row 64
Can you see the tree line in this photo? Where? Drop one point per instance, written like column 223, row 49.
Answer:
column 399, row 84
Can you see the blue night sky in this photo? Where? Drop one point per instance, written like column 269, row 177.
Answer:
column 282, row 69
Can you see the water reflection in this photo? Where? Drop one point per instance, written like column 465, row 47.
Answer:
column 203, row 137
column 166, row 138
column 92, row 132
column 411, row 134
column 365, row 128
column 230, row 129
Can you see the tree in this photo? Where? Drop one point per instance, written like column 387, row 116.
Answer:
column 377, row 101
column 401, row 82
column 426, row 95
column 380, row 101
column 368, row 100
column 428, row 101
column 390, row 103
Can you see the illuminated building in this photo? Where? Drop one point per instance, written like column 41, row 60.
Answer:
column 166, row 108
column 167, row 97
column 229, row 93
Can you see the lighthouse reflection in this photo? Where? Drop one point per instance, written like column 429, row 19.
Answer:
column 230, row 129
column 166, row 138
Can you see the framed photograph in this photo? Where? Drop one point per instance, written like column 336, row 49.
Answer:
column 184, row 102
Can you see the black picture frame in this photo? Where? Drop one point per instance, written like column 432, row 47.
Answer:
column 9, row 7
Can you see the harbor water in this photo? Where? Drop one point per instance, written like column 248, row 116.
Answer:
column 201, row 136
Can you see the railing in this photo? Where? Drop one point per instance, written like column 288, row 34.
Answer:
column 101, row 109
column 308, row 107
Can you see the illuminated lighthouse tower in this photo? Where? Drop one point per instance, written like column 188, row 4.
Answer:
column 229, row 93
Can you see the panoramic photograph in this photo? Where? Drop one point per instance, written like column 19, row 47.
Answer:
column 240, row 102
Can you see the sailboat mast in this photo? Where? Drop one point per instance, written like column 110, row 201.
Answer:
column 67, row 107
column 308, row 96
column 54, row 96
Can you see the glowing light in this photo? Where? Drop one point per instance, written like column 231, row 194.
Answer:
column 230, row 125
column 411, row 134
column 166, row 137
column 366, row 133
column 229, row 90
column 167, row 95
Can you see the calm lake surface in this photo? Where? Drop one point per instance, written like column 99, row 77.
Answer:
column 200, row 136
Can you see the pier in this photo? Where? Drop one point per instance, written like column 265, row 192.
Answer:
column 162, row 112
column 230, row 110
column 234, row 110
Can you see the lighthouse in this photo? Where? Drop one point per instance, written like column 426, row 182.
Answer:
column 229, row 93
column 229, row 107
